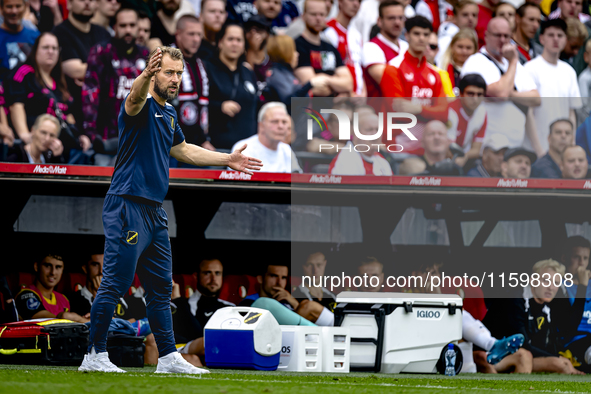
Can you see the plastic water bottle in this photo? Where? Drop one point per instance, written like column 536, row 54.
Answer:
column 450, row 361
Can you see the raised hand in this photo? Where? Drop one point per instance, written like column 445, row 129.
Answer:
column 240, row 162
column 154, row 63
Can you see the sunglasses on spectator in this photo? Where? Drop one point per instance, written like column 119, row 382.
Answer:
column 433, row 46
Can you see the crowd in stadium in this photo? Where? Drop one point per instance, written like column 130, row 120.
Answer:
column 499, row 88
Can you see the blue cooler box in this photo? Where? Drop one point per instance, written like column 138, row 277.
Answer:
column 242, row 338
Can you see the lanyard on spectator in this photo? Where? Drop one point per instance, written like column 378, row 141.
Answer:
column 522, row 108
column 236, row 81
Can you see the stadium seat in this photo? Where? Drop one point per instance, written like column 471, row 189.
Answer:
column 187, row 283
column 235, row 288
column 75, row 279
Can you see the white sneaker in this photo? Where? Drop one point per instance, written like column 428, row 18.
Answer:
column 98, row 363
column 175, row 363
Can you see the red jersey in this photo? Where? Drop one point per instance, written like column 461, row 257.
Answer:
column 466, row 129
column 338, row 38
column 379, row 50
column 484, row 16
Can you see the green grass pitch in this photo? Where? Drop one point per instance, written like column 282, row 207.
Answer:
column 19, row 379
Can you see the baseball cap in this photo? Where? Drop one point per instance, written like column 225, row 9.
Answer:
column 496, row 142
column 520, row 151
column 259, row 21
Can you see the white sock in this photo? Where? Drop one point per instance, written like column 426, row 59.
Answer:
column 588, row 355
column 474, row 331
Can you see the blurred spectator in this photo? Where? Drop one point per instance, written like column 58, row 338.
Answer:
column 144, row 30
column 8, row 313
column 314, row 268
column 556, row 81
column 559, row 138
column 40, row 300
column 493, row 153
column 267, row 145
column 576, row 35
column 45, row 14
column 76, row 35
column 45, row 146
column 282, row 84
column 507, row 11
column 213, row 16
column 527, row 23
column 498, row 63
column 233, row 94
column 38, row 87
column 468, row 119
column 465, row 17
column 517, row 163
column 362, row 157
column 105, row 13
column 485, row 14
column 112, row 68
column 16, row 40
column 540, row 317
column 336, row 35
column 574, row 163
column 319, row 57
column 385, row 46
column 278, row 13
column 164, row 24
column 370, row 267
column 463, row 45
column 430, row 53
column 569, row 9
column 585, row 86
column 192, row 314
column 257, row 31
column 193, row 100
column 6, row 133
column 330, row 137
column 81, row 300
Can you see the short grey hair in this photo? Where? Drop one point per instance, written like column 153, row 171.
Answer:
column 268, row 106
column 42, row 118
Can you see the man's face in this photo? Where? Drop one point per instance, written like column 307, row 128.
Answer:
column 432, row 48
column 561, row 136
column 435, row 139
column 368, row 125
column 211, row 277
column 168, row 80
column 492, row 161
column 144, row 31
column 44, row 135
column 48, row 51
column 13, row 12
column 392, row 23
column 418, row 38
column 108, row 7
column 530, row 22
column 472, row 97
column 126, row 27
column 349, row 7
column 82, row 7
column 570, row 8
column 467, row 17
column 574, row 163
column 579, row 258
column 518, row 166
column 573, row 44
column 507, row 11
column 214, row 15
column 274, row 280
column 232, row 45
column 314, row 16
column 94, row 267
column 270, row 9
column 372, row 270
column 553, row 40
column 169, row 7
column 315, row 266
column 189, row 39
column 547, row 289
column 49, row 272
column 497, row 35
column 275, row 124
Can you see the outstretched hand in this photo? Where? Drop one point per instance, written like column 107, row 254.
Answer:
column 154, row 63
column 240, row 162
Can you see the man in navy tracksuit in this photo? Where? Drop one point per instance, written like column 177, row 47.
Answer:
column 136, row 226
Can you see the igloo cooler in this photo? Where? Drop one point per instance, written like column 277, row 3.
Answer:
column 242, row 338
column 399, row 332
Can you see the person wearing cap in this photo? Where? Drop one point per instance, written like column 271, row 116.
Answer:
column 494, row 148
column 574, row 163
column 560, row 137
column 517, row 163
column 257, row 30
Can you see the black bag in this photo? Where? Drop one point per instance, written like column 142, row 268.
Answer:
column 126, row 350
column 49, row 342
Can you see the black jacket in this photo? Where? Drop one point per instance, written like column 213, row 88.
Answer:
column 282, row 85
column 17, row 154
column 239, row 86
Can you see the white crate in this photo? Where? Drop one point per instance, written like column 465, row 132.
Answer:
column 301, row 349
column 336, row 349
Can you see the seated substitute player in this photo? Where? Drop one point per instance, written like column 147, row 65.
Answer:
column 41, row 300
column 136, row 225
column 192, row 314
